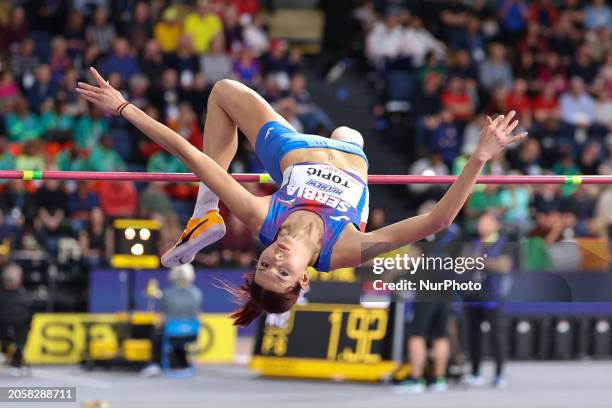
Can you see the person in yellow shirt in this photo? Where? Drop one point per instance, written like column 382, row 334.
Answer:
column 202, row 26
column 168, row 30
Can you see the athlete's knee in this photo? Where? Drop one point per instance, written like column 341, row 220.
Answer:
column 225, row 86
column 347, row 134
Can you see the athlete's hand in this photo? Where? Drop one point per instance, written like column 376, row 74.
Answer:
column 107, row 98
column 496, row 136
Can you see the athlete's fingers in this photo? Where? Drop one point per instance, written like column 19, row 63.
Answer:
column 517, row 138
column 90, row 99
column 101, row 82
column 512, row 126
column 506, row 121
column 497, row 121
column 489, row 120
column 87, row 93
column 88, row 87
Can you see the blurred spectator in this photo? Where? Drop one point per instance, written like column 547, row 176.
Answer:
column 202, row 25
column 7, row 159
column 216, row 64
column 168, row 30
column 457, row 100
column 153, row 199
column 577, row 106
column 74, row 33
column 95, row 239
column 8, row 91
column 58, row 123
column 120, row 61
column 152, row 61
column 311, row 115
column 598, row 15
column 417, row 43
column 182, row 300
column 32, row 156
column 60, row 61
column 140, row 27
column 48, row 206
column 100, row 31
column 104, row 158
column 385, row 39
column 246, row 68
column 184, row 61
column 118, row 199
column 513, row 18
column 15, row 317
column 496, row 70
column 255, row 37
column 80, row 203
column 43, row 89
column 15, row 30
column 232, row 29
column 24, row 63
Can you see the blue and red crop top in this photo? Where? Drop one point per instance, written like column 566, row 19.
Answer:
column 337, row 196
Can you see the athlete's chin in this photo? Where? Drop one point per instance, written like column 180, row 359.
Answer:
column 286, row 243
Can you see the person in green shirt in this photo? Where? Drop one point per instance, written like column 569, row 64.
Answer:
column 104, row 158
column 164, row 162
column 71, row 159
column 90, row 128
column 566, row 166
column 7, row 160
column 22, row 124
column 58, row 124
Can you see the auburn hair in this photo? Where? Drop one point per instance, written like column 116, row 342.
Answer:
column 254, row 300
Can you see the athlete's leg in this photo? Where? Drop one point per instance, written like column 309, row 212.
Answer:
column 231, row 105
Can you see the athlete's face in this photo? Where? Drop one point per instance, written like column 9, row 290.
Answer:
column 282, row 265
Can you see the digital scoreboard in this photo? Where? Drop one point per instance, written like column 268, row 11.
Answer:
column 327, row 341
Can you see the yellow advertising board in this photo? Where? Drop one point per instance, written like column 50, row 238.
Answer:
column 63, row 338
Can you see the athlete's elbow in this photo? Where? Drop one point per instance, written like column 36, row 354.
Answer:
column 440, row 223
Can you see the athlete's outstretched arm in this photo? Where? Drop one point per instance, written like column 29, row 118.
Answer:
column 493, row 139
column 247, row 207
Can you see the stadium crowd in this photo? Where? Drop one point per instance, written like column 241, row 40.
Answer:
column 441, row 70
column 165, row 57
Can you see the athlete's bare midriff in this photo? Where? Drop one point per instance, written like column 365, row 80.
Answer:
column 341, row 160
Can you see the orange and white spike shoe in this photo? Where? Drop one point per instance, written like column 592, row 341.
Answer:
column 199, row 233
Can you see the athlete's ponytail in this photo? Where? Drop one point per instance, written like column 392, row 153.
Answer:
column 255, row 300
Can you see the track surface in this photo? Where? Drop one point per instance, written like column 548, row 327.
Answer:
column 531, row 384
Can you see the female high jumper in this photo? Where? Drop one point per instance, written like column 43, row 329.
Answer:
column 317, row 216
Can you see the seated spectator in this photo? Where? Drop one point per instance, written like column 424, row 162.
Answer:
column 166, row 96
column 184, row 61
column 255, row 37
column 546, row 199
column 311, row 115
column 15, row 30
column 67, row 92
column 43, row 89
column 514, row 204
column 534, row 42
column 95, row 239
column 48, row 207
column 168, row 30
column 202, row 25
column 121, row 61
column 188, row 125
column 32, row 156
column 513, row 16
column 519, row 100
column 139, row 86
column 603, row 111
column 100, row 32
column 24, row 63
column 566, row 165
column 232, row 29
column 7, row 159
column 59, row 61
column 140, row 27
column 216, row 64
column 72, row 159
column 577, row 106
column 80, row 203
column 444, row 136
column 385, row 40
column 430, row 165
column 152, row 61
column 552, row 73
column 90, row 128
column 546, row 106
column 457, row 100
column 598, row 15
column 9, row 92
column 527, row 158
column 545, row 13
column 590, row 159
column 153, row 199
column 495, row 69
column 288, row 109
column 580, row 206
column 584, row 65
column 418, row 43
column 58, row 123
column 74, row 33
column 118, row 199
column 465, row 69
column 277, row 62
column 15, row 317
column 104, row 158
column 182, row 300
column 246, row 68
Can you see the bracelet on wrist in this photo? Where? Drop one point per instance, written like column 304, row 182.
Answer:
column 121, row 107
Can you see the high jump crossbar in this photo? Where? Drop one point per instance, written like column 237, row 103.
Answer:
column 266, row 179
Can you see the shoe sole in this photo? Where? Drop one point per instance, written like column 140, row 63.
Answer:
column 186, row 252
